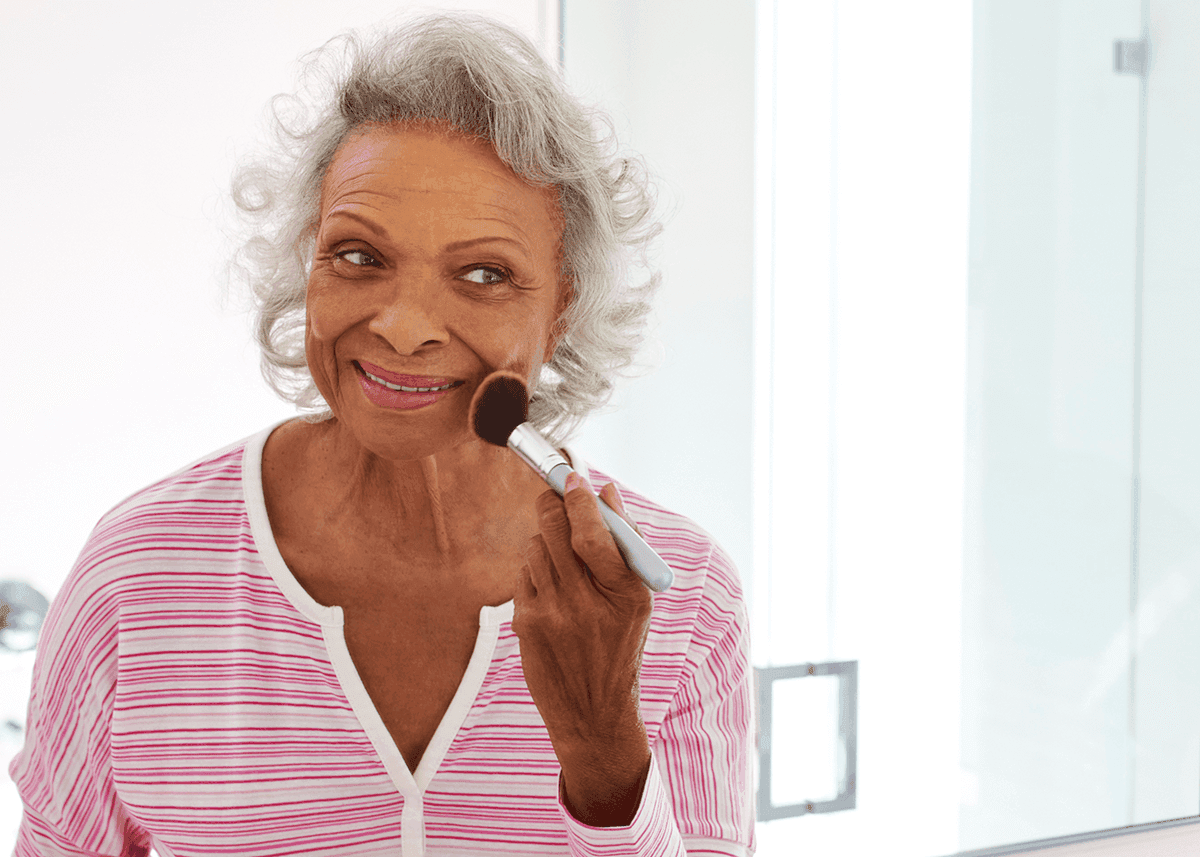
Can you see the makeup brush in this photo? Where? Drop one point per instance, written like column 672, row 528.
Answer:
column 498, row 414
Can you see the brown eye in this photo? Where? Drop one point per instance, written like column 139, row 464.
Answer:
column 358, row 257
column 485, row 276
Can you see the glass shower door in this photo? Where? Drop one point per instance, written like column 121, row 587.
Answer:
column 1059, row 693
column 1164, row 624
column 1081, row 631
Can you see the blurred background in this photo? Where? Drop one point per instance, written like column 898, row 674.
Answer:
column 925, row 362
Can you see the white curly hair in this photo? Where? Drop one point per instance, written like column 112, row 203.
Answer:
column 489, row 82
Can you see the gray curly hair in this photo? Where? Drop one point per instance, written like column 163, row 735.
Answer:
column 487, row 81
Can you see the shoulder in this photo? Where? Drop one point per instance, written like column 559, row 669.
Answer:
column 707, row 596
column 164, row 531
column 190, row 510
column 686, row 546
column 212, row 476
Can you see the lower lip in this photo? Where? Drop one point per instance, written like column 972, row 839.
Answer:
column 386, row 397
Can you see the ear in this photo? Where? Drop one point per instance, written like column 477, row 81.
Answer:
column 566, row 295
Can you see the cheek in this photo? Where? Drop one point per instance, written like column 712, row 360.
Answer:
column 522, row 349
column 327, row 315
column 320, row 330
column 327, row 318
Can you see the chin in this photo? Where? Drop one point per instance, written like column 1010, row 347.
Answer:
column 393, row 440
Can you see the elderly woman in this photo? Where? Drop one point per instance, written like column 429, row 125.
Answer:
column 366, row 631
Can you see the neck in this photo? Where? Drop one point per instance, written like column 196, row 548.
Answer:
column 437, row 507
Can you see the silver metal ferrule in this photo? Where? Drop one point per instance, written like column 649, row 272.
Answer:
column 534, row 450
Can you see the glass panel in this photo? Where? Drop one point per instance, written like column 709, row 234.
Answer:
column 863, row 185
column 1164, row 621
column 1046, row 680
column 805, row 747
column 1080, row 603
column 1046, row 582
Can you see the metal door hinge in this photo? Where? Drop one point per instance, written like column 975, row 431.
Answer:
column 1132, row 56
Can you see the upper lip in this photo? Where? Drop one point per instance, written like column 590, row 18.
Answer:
column 405, row 380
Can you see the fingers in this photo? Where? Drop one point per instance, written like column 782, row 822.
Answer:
column 539, row 568
column 556, row 539
column 523, row 600
column 612, row 498
column 590, row 538
column 575, row 542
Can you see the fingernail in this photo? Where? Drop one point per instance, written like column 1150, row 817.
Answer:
column 574, row 480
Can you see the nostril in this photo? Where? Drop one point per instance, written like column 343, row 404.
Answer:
column 407, row 328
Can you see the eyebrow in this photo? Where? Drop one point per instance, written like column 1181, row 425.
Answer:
column 452, row 247
column 489, row 239
column 365, row 221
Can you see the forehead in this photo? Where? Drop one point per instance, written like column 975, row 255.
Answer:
column 384, row 165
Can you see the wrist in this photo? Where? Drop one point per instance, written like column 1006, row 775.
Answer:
column 605, row 789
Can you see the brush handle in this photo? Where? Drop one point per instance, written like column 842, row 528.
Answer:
column 638, row 555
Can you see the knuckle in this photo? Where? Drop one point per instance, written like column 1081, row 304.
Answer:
column 559, row 624
column 579, row 499
column 552, row 514
column 583, row 543
column 535, row 551
column 645, row 607
column 529, row 623
column 547, row 502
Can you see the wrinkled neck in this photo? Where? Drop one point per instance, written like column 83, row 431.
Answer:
column 440, row 507
column 437, row 504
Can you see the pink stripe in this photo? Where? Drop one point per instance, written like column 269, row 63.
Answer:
column 179, row 694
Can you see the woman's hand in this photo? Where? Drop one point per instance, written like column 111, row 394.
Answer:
column 581, row 616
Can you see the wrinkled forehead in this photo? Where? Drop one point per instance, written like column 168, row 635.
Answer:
column 393, row 161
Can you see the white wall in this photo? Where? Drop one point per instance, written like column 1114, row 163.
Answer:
column 678, row 77
column 865, row 198
column 122, row 120
column 120, row 362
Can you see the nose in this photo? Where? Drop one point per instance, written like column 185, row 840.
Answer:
column 413, row 318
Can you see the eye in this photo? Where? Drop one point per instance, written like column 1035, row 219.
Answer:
column 485, row 276
column 360, row 258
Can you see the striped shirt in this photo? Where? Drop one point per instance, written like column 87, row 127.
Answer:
column 191, row 697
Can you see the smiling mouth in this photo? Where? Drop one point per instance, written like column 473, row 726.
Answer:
column 400, row 388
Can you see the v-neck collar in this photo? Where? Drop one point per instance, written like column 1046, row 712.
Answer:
column 411, row 785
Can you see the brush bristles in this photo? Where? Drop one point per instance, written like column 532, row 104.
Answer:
column 500, row 405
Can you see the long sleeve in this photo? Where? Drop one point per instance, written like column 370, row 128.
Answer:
column 188, row 692
column 698, row 798
column 64, row 771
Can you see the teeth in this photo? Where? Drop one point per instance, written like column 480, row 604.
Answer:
column 392, row 386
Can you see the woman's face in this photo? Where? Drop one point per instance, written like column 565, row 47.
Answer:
column 435, row 264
